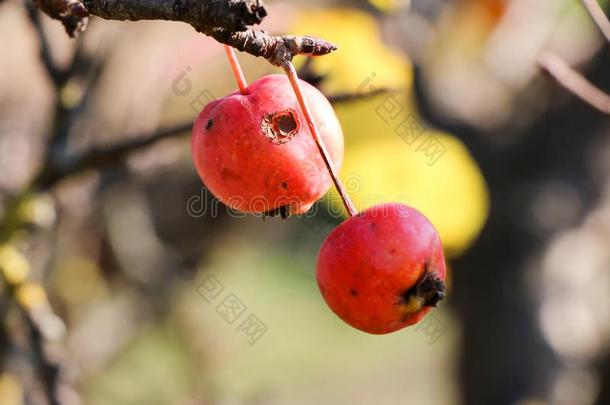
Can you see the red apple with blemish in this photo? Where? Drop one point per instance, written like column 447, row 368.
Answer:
column 382, row 269
column 254, row 151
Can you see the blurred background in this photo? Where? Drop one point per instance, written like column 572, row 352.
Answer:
column 125, row 282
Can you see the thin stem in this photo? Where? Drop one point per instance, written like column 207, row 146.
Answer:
column 237, row 71
column 598, row 15
column 296, row 86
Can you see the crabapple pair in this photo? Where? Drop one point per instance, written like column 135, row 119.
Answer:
column 381, row 269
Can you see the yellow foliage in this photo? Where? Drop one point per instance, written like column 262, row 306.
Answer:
column 389, row 6
column 11, row 390
column 38, row 209
column 379, row 165
column 361, row 52
column 451, row 192
column 368, row 119
column 31, row 296
column 77, row 279
column 13, row 265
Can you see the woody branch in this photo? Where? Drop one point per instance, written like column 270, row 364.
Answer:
column 227, row 21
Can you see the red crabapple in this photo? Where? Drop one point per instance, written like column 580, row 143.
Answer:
column 254, row 151
column 382, row 269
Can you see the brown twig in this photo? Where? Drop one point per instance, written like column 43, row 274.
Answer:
column 598, row 16
column 227, row 21
column 203, row 15
column 574, row 81
column 278, row 50
column 71, row 13
column 111, row 155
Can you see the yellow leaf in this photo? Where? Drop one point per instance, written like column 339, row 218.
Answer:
column 451, row 192
column 13, row 265
column 38, row 209
column 361, row 52
column 389, row 6
column 11, row 390
column 31, row 296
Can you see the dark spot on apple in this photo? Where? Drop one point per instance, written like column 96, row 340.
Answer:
column 229, row 175
column 429, row 287
column 353, row 292
column 209, row 124
column 285, row 185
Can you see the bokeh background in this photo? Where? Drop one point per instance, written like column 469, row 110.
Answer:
column 118, row 266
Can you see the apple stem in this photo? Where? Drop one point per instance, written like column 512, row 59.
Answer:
column 237, row 71
column 296, row 86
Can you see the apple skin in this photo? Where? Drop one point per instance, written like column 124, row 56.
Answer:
column 382, row 269
column 254, row 152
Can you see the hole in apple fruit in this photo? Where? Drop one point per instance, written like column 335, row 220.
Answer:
column 281, row 126
column 286, row 125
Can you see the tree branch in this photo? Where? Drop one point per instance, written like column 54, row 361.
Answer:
column 101, row 158
column 279, row 50
column 574, row 81
column 48, row 370
column 71, row 13
column 108, row 156
column 227, row 21
column 340, row 98
column 203, row 15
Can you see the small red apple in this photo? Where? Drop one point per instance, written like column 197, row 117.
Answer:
column 382, row 269
column 255, row 153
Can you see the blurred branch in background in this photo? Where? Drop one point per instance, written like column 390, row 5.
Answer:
column 102, row 158
column 47, row 369
column 57, row 75
column 574, row 81
column 357, row 96
column 598, row 15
